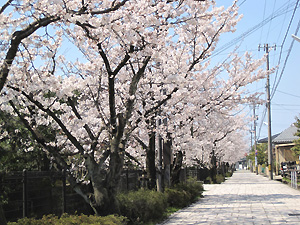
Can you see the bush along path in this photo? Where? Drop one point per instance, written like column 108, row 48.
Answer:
column 144, row 206
column 141, row 207
column 151, row 207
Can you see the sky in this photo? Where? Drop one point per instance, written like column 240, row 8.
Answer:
column 269, row 22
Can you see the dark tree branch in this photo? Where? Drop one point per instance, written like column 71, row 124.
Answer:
column 224, row 136
column 54, row 152
column 5, row 6
column 153, row 109
column 132, row 158
column 132, row 89
column 144, row 146
column 209, row 44
column 113, row 8
column 73, row 140
column 86, row 127
column 16, row 39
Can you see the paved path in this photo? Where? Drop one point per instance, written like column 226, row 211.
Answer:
column 245, row 198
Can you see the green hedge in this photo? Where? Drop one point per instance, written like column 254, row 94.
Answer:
column 142, row 206
column 72, row 220
column 177, row 198
column 220, row 178
column 183, row 194
column 136, row 207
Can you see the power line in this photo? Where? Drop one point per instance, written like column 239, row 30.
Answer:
column 288, row 94
column 264, row 13
column 286, row 105
column 271, row 21
column 281, row 29
column 262, row 121
column 282, row 10
column 285, row 62
column 283, row 42
column 242, row 3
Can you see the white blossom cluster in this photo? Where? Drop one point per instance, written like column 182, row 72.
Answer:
column 142, row 60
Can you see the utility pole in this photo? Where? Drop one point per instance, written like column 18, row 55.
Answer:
column 255, row 143
column 270, row 151
column 251, row 139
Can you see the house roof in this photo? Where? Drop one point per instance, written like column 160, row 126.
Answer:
column 286, row 136
column 265, row 140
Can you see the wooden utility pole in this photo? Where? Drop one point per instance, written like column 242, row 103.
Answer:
column 255, row 144
column 270, row 151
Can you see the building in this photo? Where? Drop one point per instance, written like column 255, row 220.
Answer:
column 282, row 146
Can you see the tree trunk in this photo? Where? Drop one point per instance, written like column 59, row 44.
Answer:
column 112, row 181
column 105, row 182
column 213, row 170
column 150, row 161
column 176, row 168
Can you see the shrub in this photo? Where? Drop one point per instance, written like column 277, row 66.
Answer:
column 228, row 174
column 72, row 220
column 220, row 178
column 177, row 198
column 193, row 187
column 208, row 180
column 142, row 206
column 183, row 194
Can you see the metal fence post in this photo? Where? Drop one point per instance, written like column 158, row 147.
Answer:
column 64, row 202
column 296, row 185
column 25, row 194
column 291, row 173
column 294, row 179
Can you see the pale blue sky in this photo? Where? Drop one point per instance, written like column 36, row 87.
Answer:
column 267, row 21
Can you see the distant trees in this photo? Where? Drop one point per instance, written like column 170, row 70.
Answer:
column 262, row 154
column 296, row 148
column 18, row 151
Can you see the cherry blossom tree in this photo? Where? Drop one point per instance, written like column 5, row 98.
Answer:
column 100, row 74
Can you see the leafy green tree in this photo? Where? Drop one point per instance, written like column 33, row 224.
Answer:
column 296, row 148
column 18, row 150
column 262, row 156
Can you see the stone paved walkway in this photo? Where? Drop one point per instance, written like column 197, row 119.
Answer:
column 245, row 198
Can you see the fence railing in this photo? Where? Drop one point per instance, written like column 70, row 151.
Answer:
column 294, row 178
column 36, row 193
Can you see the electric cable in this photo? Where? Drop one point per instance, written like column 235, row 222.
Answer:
column 262, row 121
column 264, row 13
column 242, row 3
column 285, row 62
column 281, row 29
column 267, row 37
column 297, row 96
column 281, row 48
column 282, row 10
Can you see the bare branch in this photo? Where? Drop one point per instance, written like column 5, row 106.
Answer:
column 16, row 39
column 209, row 44
column 73, row 139
column 5, row 6
column 153, row 109
column 113, row 8
column 86, row 127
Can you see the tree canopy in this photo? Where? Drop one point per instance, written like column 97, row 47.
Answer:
column 296, row 148
column 99, row 77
